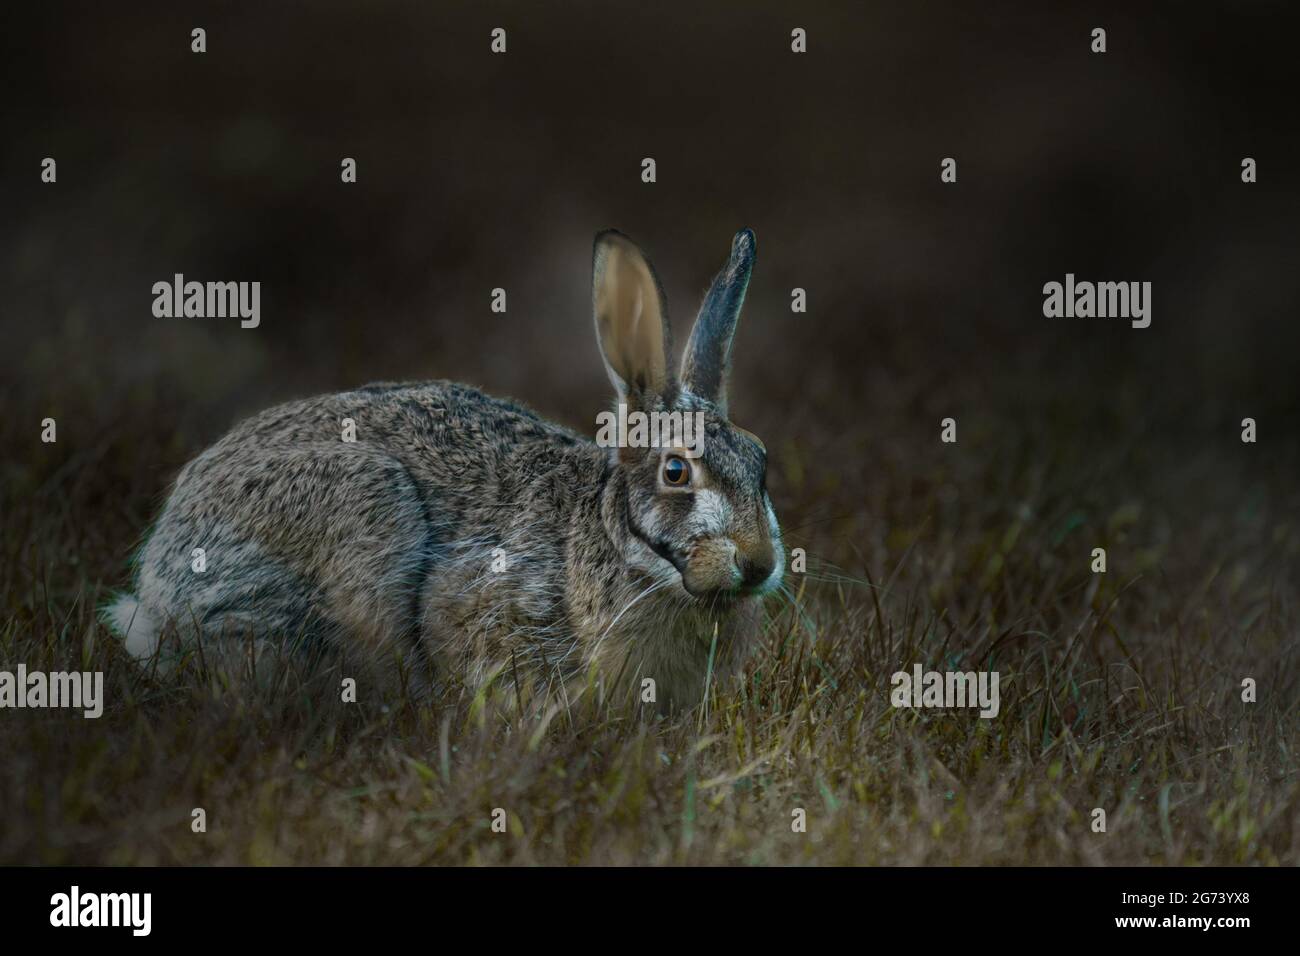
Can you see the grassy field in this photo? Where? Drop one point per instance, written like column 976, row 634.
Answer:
column 1119, row 690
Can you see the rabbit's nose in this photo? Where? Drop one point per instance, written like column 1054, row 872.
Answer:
column 754, row 570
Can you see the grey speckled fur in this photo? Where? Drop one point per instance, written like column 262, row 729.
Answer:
column 471, row 540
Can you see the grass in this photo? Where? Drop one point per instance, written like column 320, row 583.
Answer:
column 1119, row 691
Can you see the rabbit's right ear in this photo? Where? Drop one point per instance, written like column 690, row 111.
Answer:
column 631, row 320
column 708, row 353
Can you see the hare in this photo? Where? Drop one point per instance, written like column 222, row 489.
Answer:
column 470, row 539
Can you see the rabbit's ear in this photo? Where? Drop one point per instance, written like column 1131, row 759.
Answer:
column 631, row 319
column 708, row 353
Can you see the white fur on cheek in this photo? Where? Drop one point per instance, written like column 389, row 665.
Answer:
column 778, row 550
column 710, row 514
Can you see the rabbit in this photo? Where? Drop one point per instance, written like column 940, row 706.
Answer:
column 468, row 539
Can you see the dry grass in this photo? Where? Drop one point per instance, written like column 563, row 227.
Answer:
column 1119, row 691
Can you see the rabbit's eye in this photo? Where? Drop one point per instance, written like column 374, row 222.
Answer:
column 676, row 471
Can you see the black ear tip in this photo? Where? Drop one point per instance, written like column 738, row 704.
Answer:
column 743, row 245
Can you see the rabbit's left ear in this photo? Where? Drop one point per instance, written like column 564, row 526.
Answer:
column 631, row 320
column 708, row 353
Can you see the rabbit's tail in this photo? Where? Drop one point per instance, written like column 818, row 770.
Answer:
column 133, row 624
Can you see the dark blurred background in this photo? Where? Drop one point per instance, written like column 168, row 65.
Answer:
column 478, row 170
column 925, row 301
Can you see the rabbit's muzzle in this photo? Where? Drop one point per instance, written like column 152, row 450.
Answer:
column 719, row 566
